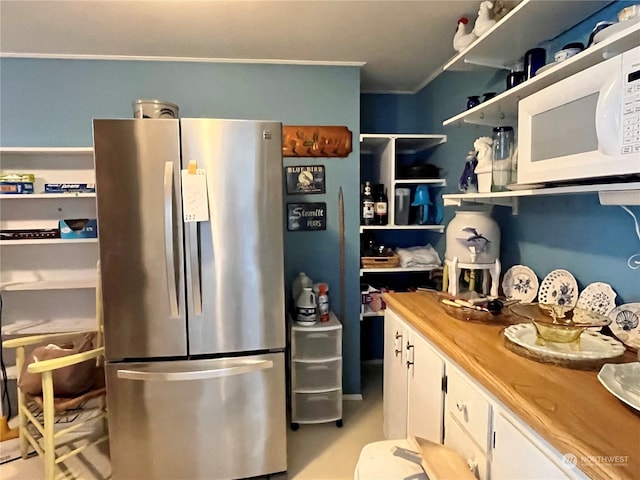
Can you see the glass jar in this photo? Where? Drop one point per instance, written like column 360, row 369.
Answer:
column 502, row 161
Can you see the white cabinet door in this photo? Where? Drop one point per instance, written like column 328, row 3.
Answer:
column 516, row 457
column 394, row 377
column 426, row 396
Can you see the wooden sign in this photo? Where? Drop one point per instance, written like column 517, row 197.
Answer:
column 316, row 141
column 303, row 179
column 302, row 217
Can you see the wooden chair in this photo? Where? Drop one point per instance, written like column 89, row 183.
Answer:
column 50, row 424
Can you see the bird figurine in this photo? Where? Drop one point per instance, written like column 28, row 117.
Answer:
column 484, row 22
column 462, row 39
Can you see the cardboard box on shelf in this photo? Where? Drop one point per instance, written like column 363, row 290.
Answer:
column 79, row 228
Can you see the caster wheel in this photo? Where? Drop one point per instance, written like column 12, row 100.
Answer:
column 295, row 426
column 339, row 423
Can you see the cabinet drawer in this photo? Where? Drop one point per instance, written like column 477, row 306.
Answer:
column 318, row 344
column 456, row 438
column 316, row 407
column 310, row 376
column 469, row 407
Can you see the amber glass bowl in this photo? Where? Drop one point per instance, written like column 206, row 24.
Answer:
column 558, row 323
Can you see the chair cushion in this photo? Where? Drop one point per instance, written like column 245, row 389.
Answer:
column 67, row 381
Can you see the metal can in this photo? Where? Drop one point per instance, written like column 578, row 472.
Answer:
column 154, row 109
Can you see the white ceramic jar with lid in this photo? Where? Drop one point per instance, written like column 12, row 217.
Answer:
column 473, row 236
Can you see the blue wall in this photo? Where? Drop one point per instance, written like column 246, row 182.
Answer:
column 572, row 232
column 52, row 103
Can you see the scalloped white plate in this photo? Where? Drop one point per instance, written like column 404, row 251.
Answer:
column 625, row 324
column 623, row 381
column 520, row 283
column 597, row 297
column 559, row 287
column 593, row 345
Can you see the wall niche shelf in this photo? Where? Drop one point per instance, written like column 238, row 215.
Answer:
column 48, row 285
column 612, row 193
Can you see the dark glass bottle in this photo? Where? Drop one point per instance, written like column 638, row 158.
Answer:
column 367, row 206
column 381, row 215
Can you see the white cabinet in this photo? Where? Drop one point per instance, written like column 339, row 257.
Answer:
column 316, row 373
column 516, row 457
column 412, row 383
column 425, row 369
column 463, row 415
column 394, row 381
column 47, row 285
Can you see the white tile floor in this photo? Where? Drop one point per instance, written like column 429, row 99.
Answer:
column 315, row 452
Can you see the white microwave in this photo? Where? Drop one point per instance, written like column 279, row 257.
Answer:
column 585, row 126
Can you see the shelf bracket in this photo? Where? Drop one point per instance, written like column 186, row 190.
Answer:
column 511, row 202
column 621, row 197
column 481, row 62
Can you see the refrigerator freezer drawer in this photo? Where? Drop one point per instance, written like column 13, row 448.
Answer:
column 316, row 376
column 200, row 419
column 316, row 407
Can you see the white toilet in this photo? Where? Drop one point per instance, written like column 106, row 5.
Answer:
column 410, row 459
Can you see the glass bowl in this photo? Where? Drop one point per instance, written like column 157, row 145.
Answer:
column 461, row 312
column 559, row 323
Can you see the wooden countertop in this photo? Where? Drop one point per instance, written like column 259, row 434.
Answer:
column 569, row 408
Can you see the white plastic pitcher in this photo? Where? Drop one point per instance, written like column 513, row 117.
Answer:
column 403, row 204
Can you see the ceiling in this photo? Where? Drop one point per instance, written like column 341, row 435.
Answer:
column 399, row 45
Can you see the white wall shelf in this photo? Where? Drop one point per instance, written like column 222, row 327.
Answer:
column 48, row 241
column 503, row 108
column 37, row 327
column 48, row 196
column 628, row 192
column 530, row 23
column 433, row 228
column 48, row 285
column 397, row 270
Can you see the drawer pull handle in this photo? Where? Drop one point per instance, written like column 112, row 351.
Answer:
column 318, row 398
column 461, row 406
column 318, row 367
column 398, row 344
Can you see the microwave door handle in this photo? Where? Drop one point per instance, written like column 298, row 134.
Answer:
column 168, row 239
column 608, row 112
column 247, row 366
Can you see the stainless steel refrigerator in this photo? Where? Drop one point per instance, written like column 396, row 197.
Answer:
column 194, row 318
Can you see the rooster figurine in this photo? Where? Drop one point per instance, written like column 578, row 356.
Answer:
column 484, row 22
column 462, row 39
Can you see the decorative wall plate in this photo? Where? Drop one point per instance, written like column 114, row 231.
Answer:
column 593, row 345
column 625, row 321
column 559, row 287
column 520, row 283
column 623, row 381
column 597, row 297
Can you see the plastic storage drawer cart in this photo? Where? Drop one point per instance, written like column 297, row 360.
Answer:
column 316, row 373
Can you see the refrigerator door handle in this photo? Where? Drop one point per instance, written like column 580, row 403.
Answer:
column 195, row 268
column 247, row 366
column 168, row 239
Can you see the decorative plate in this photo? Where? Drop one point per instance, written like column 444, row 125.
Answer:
column 623, row 381
column 624, row 324
column 597, row 297
column 593, row 345
column 520, row 283
column 559, row 288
